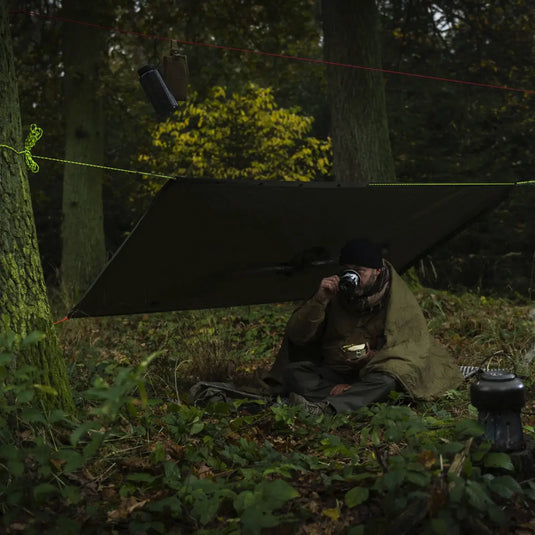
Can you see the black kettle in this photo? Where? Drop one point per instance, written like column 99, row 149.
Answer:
column 499, row 396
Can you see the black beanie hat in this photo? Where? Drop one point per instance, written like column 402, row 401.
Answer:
column 361, row 252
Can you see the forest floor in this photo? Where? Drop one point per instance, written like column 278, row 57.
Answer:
column 239, row 344
column 141, row 458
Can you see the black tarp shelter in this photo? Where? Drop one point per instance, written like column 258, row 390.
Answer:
column 213, row 243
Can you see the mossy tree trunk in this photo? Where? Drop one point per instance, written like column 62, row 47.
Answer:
column 359, row 126
column 24, row 303
column 83, row 241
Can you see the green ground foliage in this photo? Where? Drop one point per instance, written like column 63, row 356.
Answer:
column 140, row 458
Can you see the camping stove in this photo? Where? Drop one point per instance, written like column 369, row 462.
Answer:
column 499, row 397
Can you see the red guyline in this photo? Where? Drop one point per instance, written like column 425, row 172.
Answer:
column 62, row 320
column 272, row 54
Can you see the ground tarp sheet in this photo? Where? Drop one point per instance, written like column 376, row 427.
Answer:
column 213, row 243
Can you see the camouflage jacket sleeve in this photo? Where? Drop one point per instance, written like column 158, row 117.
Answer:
column 305, row 324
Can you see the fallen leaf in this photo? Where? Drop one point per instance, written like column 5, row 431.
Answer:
column 126, row 508
column 57, row 464
column 427, row 458
column 333, row 514
column 17, row 526
column 136, row 463
column 203, row 471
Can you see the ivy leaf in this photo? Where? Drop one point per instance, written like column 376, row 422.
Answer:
column 356, row 496
column 482, row 449
column 505, row 486
column 56, row 416
column 393, row 478
column 141, row 477
column 169, row 504
column 5, row 358
column 13, row 457
column 207, row 495
column 80, row 431
column 43, row 491
column 72, row 494
column 10, row 452
column 478, row 496
column 277, row 492
column 457, row 486
column 498, row 515
column 257, row 517
column 439, row 525
column 256, row 507
column 244, row 500
column 173, row 476
column 25, row 395
column 530, row 491
column 469, row 428
column 421, row 479
column 498, row 460
column 206, row 507
column 32, row 415
column 196, row 428
column 15, row 468
column 73, row 460
column 93, row 445
column 450, row 448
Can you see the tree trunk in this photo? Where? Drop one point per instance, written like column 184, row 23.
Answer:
column 359, row 126
column 83, row 242
column 24, row 304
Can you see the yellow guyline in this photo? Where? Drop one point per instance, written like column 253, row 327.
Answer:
column 105, row 167
column 518, row 183
column 36, row 133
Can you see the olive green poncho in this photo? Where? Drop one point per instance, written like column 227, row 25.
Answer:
column 410, row 354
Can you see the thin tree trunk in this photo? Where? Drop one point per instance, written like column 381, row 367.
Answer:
column 359, row 126
column 83, row 242
column 24, row 304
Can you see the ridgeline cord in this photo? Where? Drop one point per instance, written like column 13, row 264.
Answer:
column 36, row 133
column 107, row 168
column 272, row 54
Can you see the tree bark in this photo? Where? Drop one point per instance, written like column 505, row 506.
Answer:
column 24, row 306
column 83, row 241
column 359, row 126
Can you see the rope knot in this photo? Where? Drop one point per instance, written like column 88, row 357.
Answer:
column 32, row 138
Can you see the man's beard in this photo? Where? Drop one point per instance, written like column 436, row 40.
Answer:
column 366, row 289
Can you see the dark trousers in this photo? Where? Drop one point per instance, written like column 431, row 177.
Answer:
column 315, row 382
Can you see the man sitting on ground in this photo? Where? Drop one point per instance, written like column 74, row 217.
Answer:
column 360, row 336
